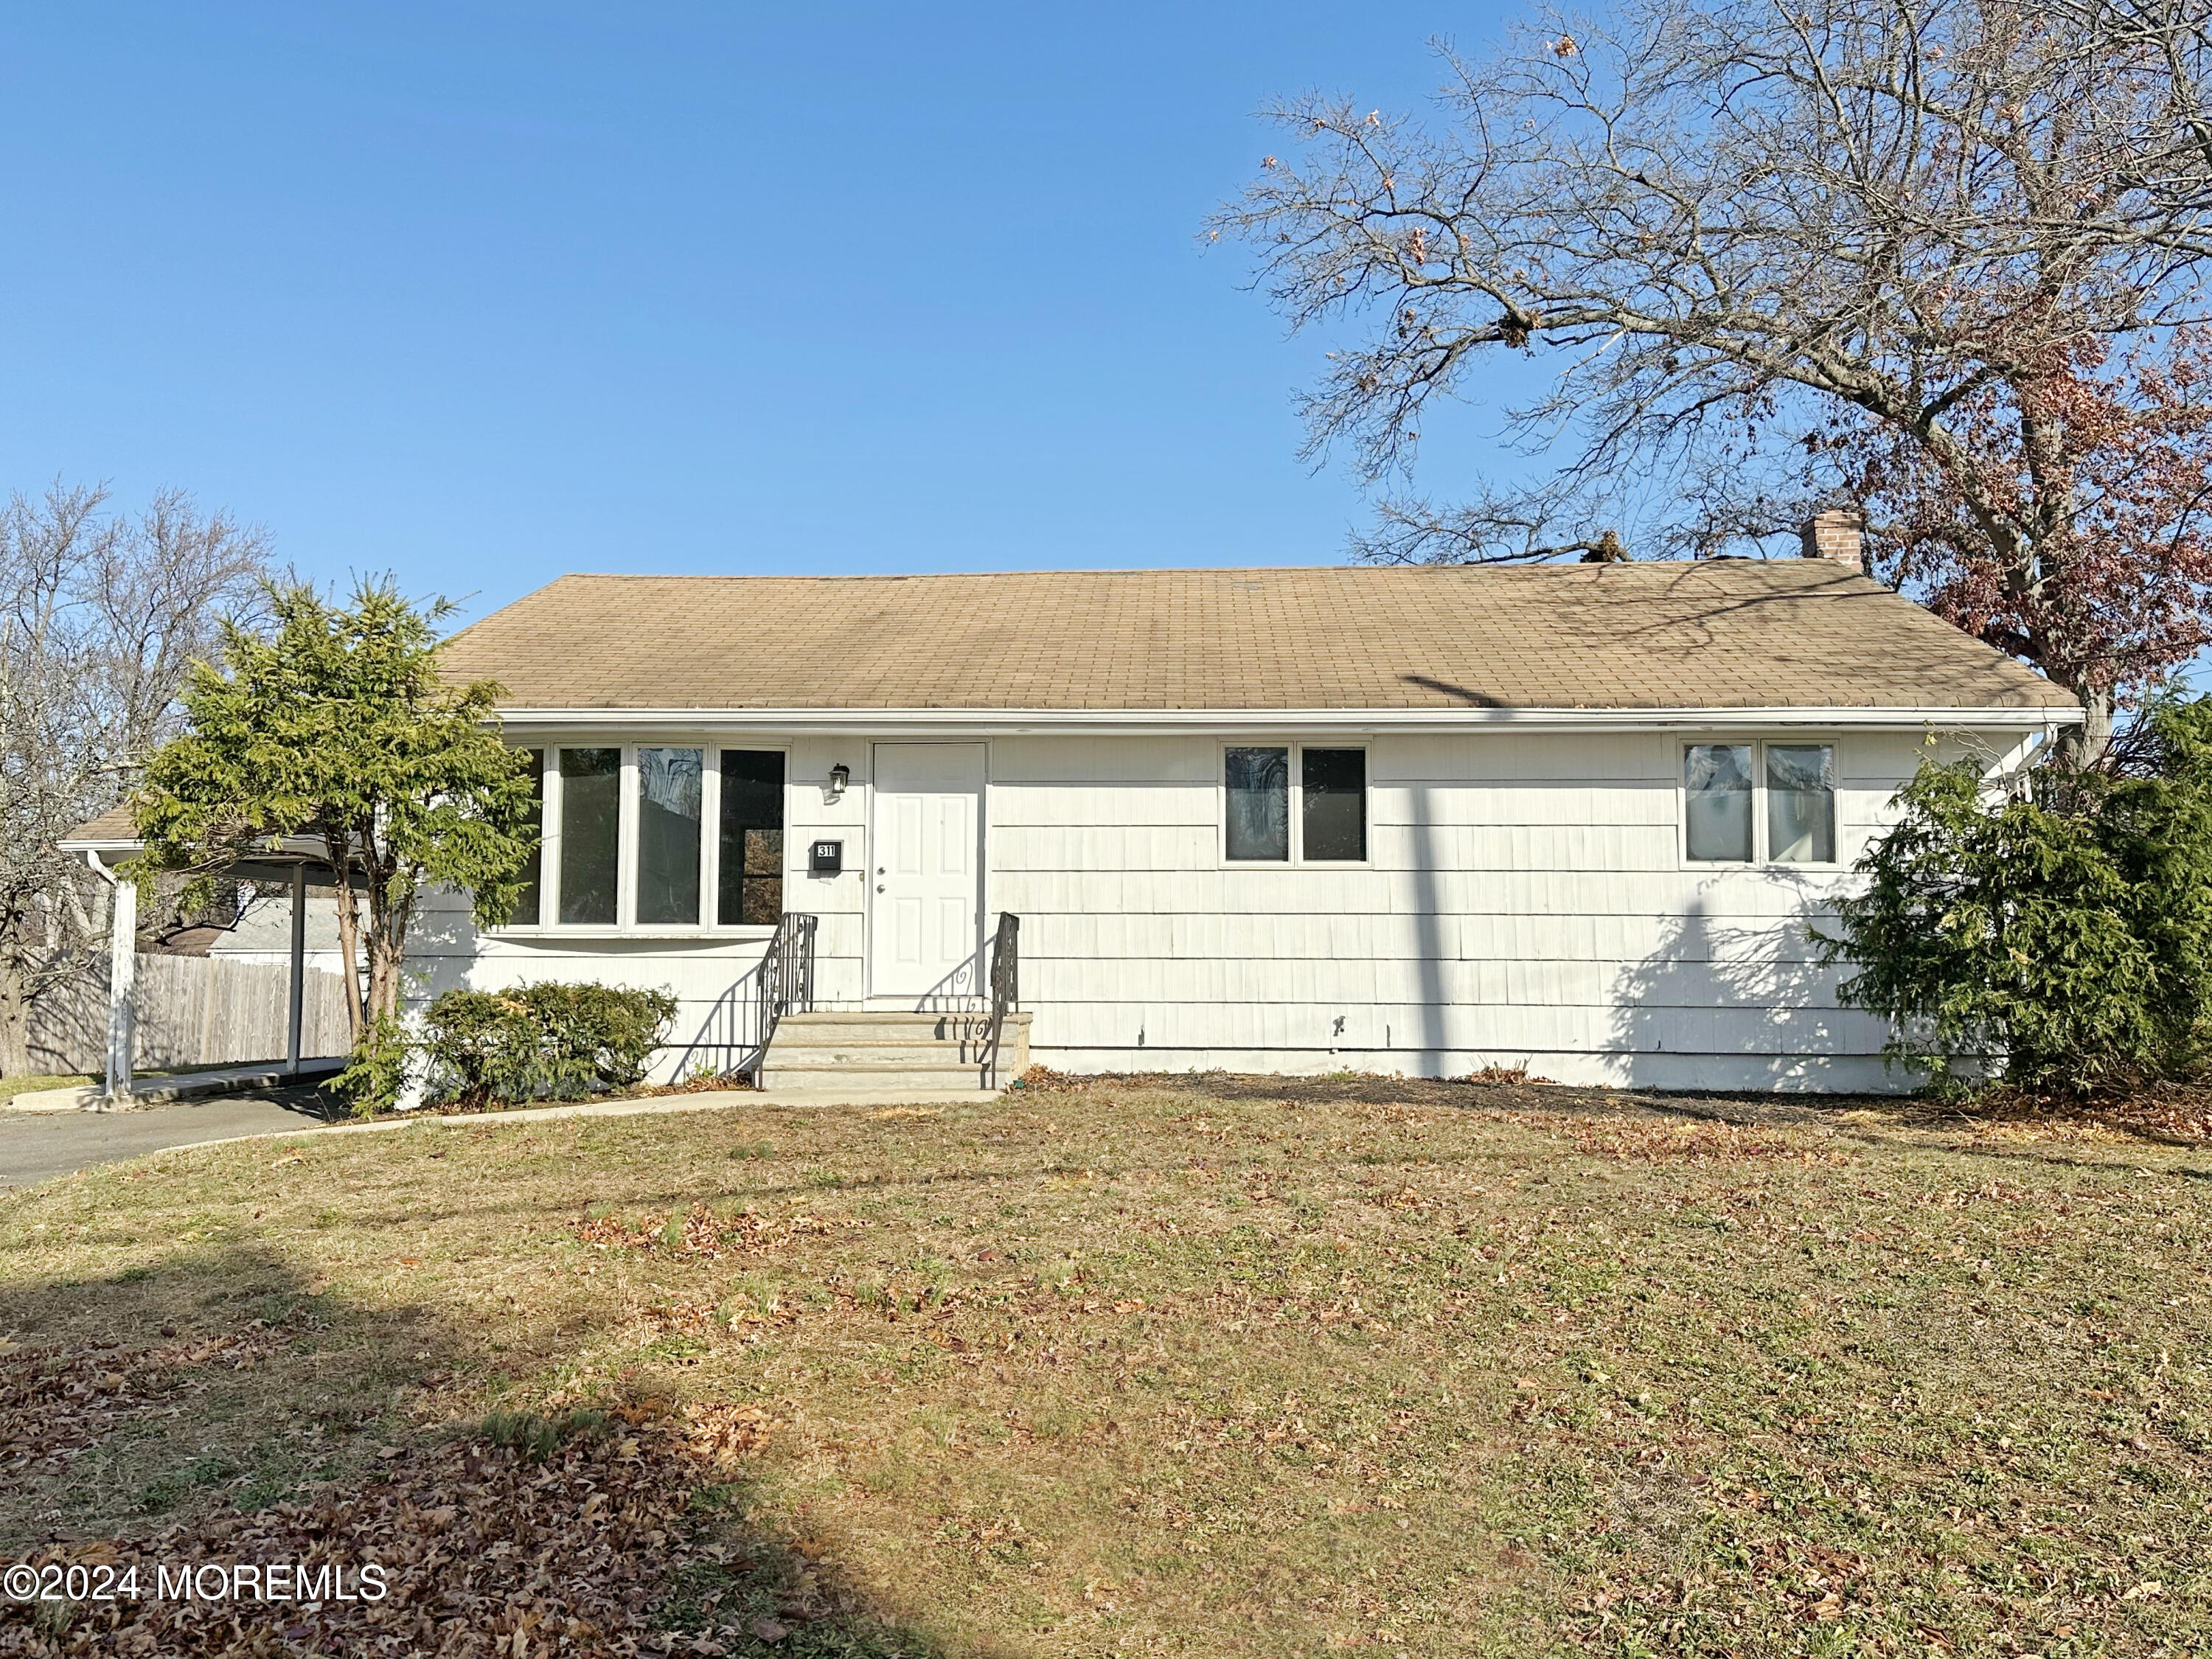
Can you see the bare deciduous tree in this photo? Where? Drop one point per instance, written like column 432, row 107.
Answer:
column 99, row 618
column 1939, row 258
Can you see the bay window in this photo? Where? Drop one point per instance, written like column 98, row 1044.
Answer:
column 626, row 842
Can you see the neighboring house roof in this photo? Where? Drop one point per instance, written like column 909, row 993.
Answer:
column 115, row 828
column 1715, row 634
column 266, row 927
column 115, row 836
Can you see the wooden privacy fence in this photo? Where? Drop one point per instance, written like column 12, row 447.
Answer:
column 191, row 1011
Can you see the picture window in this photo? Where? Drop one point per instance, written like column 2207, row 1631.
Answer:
column 626, row 841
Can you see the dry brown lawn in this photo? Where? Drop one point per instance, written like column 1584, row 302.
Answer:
column 1203, row 1366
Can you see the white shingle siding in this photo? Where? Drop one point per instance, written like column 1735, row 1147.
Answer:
column 1526, row 903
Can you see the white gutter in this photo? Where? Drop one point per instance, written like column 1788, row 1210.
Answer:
column 1144, row 721
column 282, row 849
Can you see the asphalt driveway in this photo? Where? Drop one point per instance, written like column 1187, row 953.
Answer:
column 37, row 1146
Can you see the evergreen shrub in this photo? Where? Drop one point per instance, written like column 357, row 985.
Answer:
column 547, row 1041
column 2059, row 944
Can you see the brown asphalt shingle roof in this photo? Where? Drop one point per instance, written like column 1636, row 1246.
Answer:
column 115, row 824
column 1723, row 633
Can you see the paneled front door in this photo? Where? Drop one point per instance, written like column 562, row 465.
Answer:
column 926, row 873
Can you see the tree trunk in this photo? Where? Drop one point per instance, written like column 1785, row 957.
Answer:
column 387, row 957
column 387, row 936
column 349, row 940
column 2082, row 747
column 14, row 1024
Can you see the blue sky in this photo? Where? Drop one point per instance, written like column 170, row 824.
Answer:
column 481, row 293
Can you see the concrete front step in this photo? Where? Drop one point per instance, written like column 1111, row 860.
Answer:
column 882, row 1016
column 871, row 1050
column 884, row 1028
column 905, row 1016
column 961, row 1075
column 811, row 1051
column 819, row 1036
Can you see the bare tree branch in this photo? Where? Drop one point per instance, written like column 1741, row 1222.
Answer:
column 101, row 618
column 1784, row 257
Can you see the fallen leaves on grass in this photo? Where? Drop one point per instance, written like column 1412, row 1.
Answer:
column 56, row 1400
column 1498, row 1077
column 483, row 1550
column 1694, row 1143
column 723, row 1431
column 705, row 1084
column 2173, row 1111
column 700, row 1231
column 681, row 1318
column 1044, row 1080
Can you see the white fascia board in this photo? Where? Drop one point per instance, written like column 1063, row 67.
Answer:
column 1140, row 722
column 308, row 849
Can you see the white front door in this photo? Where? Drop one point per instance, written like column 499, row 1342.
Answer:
column 926, row 871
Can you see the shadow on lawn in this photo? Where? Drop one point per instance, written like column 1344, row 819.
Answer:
column 216, row 1409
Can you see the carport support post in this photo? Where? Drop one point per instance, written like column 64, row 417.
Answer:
column 299, row 968
column 122, row 980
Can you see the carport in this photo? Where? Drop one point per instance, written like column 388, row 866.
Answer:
column 111, row 841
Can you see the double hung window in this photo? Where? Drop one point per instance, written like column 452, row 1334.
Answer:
column 1747, row 803
column 655, row 837
column 1326, row 823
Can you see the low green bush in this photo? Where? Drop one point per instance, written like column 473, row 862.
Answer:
column 2060, row 945
column 547, row 1041
column 376, row 1068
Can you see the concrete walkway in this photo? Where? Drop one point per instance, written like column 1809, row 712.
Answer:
column 37, row 1146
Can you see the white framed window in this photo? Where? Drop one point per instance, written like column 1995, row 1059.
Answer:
column 1293, row 804
column 1748, row 802
column 672, row 836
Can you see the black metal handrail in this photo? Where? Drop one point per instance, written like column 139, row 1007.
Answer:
column 784, row 982
column 1005, row 989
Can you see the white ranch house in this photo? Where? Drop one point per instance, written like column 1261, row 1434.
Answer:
column 1574, row 818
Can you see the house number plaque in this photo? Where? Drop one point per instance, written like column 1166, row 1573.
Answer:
column 826, row 858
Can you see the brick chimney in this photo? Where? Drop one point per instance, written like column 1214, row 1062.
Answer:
column 1837, row 535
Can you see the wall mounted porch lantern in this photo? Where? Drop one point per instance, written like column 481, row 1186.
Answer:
column 839, row 776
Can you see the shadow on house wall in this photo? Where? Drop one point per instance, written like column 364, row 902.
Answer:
column 728, row 1039
column 717, row 1028
column 1745, row 998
